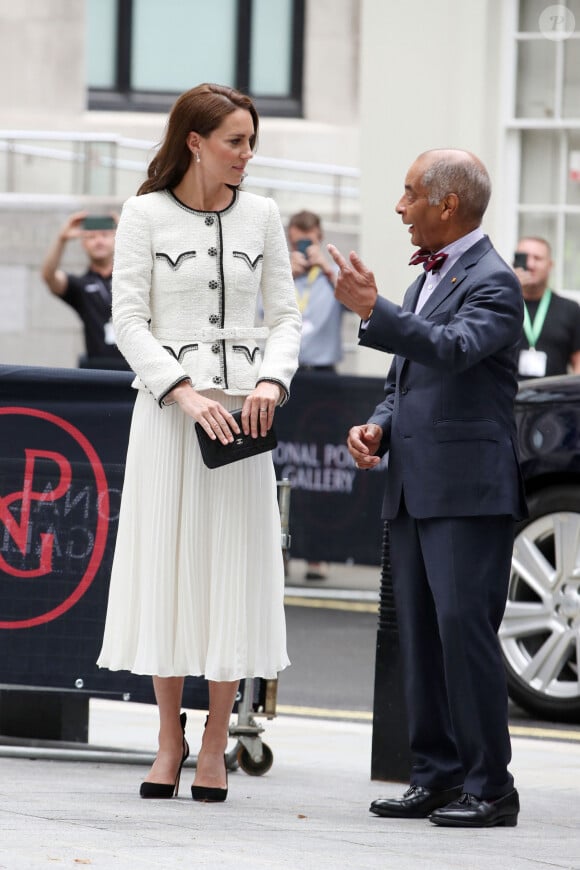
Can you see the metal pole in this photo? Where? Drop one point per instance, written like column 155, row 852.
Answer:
column 390, row 755
column 284, row 489
column 336, row 198
column 10, row 176
column 111, row 756
column 113, row 170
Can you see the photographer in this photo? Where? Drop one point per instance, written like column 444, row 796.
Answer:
column 550, row 342
column 314, row 278
column 88, row 294
column 321, row 343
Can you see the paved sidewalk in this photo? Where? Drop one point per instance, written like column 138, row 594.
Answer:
column 355, row 580
column 310, row 811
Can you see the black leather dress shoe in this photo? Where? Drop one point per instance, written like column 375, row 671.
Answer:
column 472, row 812
column 416, row 803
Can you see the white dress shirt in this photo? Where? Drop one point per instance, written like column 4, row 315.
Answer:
column 454, row 251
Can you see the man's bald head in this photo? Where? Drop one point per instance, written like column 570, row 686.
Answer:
column 452, row 170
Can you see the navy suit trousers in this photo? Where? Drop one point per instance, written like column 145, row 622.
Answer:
column 450, row 578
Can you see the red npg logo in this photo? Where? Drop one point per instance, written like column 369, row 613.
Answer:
column 53, row 522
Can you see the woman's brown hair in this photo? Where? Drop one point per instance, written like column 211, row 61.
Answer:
column 201, row 109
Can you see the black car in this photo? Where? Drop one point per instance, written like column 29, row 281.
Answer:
column 540, row 632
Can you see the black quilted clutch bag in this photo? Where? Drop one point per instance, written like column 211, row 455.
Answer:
column 215, row 454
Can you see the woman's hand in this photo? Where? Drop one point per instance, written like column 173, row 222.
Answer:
column 217, row 422
column 258, row 408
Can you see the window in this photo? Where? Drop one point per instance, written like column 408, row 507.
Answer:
column 142, row 53
column 543, row 131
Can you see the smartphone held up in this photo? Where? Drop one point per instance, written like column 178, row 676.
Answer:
column 99, row 222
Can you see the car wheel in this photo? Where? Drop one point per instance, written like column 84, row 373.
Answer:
column 540, row 632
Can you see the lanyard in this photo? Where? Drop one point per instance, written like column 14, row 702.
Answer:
column 304, row 298
column 533, row 331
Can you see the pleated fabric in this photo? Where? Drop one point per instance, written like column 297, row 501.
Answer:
column 197, row 583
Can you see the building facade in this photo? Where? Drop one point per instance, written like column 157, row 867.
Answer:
column 364, row 85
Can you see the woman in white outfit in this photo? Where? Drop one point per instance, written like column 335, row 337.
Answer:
column 197, row 580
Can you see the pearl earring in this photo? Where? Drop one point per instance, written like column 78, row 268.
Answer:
column 197, row 157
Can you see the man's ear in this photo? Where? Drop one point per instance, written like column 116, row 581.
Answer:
column 449, row 206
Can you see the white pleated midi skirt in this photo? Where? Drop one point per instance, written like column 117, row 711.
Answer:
column 197, row 583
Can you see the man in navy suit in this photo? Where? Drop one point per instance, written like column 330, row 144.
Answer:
column 454, row 486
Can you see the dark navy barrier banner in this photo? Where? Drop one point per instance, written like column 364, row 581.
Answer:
column 63, row 440
column 334, row 508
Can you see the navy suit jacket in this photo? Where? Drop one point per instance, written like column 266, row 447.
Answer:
column 448, row 413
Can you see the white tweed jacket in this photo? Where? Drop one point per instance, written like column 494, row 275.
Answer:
column 185, row 285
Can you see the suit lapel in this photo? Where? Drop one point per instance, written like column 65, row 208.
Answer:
column 409, row 304
column 446, row 286
column 458, row 272
column 412, row 294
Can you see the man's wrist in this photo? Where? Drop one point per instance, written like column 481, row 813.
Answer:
column 370, row 310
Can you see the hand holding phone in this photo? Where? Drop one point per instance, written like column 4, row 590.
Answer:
column 302, row 245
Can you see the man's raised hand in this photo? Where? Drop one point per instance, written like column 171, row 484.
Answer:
column 355, row 284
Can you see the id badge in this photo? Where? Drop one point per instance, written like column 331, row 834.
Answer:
column 109, row 333
column 307, row 326
column 532, row 363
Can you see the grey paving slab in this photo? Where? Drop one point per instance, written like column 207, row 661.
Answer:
column 340, row 576
column 310, row 811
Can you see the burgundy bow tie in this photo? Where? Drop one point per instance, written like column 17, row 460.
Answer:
column 431, row 262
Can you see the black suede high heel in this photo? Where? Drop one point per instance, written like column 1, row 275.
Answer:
column 209, row 794
column 167, row 790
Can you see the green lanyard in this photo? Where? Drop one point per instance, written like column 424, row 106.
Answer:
column 533, row 331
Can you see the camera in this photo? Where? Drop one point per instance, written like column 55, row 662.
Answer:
column 520, row 260
column 302, row 245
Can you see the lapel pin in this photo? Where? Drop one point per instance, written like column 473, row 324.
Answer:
column 453, row 280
